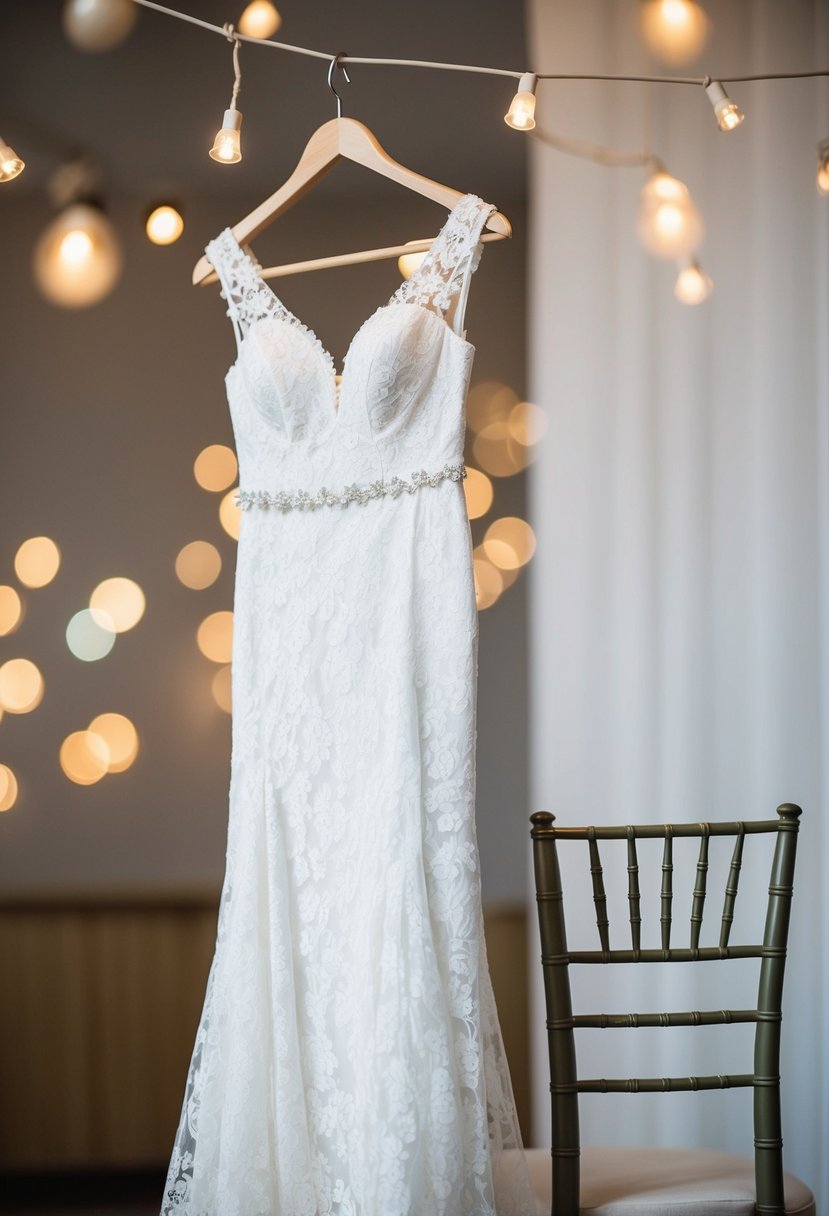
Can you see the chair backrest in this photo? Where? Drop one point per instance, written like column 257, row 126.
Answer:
column 556, row 959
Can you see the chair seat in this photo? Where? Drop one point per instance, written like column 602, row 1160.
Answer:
column 664, row 1182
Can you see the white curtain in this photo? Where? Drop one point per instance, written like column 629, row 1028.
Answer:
column 680, row 650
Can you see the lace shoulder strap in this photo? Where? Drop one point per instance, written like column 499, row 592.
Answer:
column 241, row 284
column 441, row 281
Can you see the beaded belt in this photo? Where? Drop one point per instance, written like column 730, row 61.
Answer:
column 301, row 500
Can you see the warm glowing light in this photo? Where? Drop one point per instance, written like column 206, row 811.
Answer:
column 90, row 637
column 11, row 610
column 21, row 686
column 260, row 19
column 230, row 516
column 215, row 637
column 478, row 490
column 509, row 542
column 77, row 259
column 527, row 423
column 198, row 564
column 693, row 285
column 675, row 30
column 117, row 603
column 727, row 112
column 84, row 757
column 10, row 163
column 497, row 452
column 227, row 147
column 36, row 561
column 521, row 113
column 164, row 224
column 98, row 25
column 488, row 583
column 408, row 263
column 823, row 167
column 8, row 788
column 120, row 738
column 669, row 224
column 222, row 686
column 215, row 467
column 489, row 401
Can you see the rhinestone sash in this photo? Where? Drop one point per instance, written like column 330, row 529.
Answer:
column 301, row 500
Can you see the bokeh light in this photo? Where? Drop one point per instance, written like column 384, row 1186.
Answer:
column 261, row 19
column 215, row 637
column 478, row 490
column 488, row 582
column 230, row 516
column 215, row 467
column 120, row 737
column 675, row 30
column 198, row 564
column 164, row 224
column 36, row 561
column 509, row 543
column 84, row 757
column 8, row 788
column 408, row 263
column 90, row 637
column 527, row 423
column 489, row 401
column 222, row 684
column 21, row 686
column 11, row 610
column 497, row 452
column 117, row 603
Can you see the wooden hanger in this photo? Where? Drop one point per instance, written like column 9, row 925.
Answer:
column 343, row 138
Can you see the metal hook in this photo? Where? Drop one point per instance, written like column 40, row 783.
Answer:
column 335, row 63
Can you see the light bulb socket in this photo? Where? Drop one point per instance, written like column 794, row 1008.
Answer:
column 232, row 120
column 528, row 83
column 716, row 93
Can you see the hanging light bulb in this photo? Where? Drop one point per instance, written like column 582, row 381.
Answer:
column 77, row 259
column 727, row 112
column 521, row 113
column 227, row 149
column 164, row 224
column 692, row 285
column 675, row 30
column 10, row 162
column 669, row 224
column 260, row 19
column 98, row 25
column 823, row 166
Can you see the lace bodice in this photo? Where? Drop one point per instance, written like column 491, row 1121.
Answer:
column 398, row 409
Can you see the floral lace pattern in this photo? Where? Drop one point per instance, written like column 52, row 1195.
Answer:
column 348, row 1059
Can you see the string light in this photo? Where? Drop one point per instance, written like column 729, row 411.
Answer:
column 98, row 25
column 675, row 30
column 521, row 113
column 10, row 162
column 692, row 285
column 727, row 113
column 77, row 259
column 164, row 224
column 227, row 148
column 260, row 19
column 823, row 166
column 669, row 224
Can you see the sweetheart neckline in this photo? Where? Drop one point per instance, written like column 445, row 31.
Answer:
column 316, row 341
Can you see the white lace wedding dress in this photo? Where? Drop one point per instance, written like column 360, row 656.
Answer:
column 348, row 1060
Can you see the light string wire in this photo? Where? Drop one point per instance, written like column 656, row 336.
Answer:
column 699, row 81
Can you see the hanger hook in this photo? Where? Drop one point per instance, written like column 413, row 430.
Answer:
column 335, row 63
